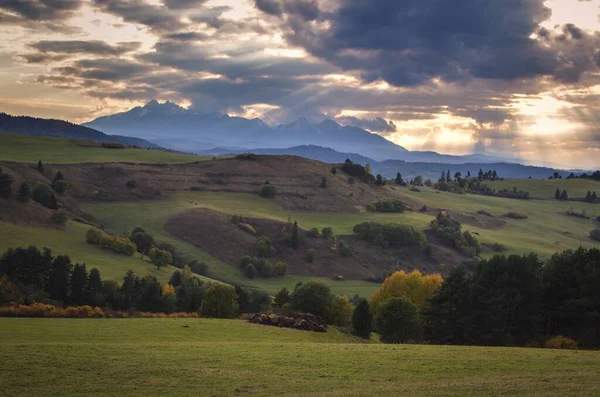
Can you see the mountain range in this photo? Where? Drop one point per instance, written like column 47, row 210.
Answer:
column 177, row 128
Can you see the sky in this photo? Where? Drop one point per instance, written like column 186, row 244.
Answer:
column 517, row 78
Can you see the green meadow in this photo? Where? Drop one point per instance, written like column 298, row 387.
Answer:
column 29, row 149
column 205, row 357
column 545, row 189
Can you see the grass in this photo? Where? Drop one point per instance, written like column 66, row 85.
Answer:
column 191, row 357
column 71, row 242
column 545, row 189
column 30, row 149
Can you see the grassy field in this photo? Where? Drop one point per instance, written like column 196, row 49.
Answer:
column 29, row 149
column 577, row 188
column 71, row 241
column 203, row 357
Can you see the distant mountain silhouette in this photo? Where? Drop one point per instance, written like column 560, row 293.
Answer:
column 181, row 129
column 25, row 125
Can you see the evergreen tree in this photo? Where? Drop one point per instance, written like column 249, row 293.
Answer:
column 494, row 175
column 295, row 243
column 128, row 288
column 594, row 197
column 443, row 178
column 58, row 177
column 399, row 180
column 60, row 278
column 480, row 175
column 397, row 320
column 334, row 171
column 362, row 320
column 78, row 283
column 5, row 185
column 588, row 197
column 557, row 194
column 564, row 195
column 282, row 297
column 468, row 174
column 448, row 178
column 40, row 167
column 379, row 181
column 24, row 192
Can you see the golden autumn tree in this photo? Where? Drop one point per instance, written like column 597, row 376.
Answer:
column 168, row 289
column 414, row 286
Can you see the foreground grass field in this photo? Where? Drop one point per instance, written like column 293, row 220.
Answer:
column 28, row 149
column 203, row 357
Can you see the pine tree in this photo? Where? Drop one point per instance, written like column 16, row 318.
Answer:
column 468, row 174
column 295, row 243
column 5, row 185
column 448, row 179
column 399, row 180
column 362, row 320
column 588, row 197
column 564, row 195
column 24, row 192
column 59, row 279
column 78, row 282
column 443, row 178
column 379, row 180
column 494, row 175
column 40, row 167
column 557, row 194
column 334, row 171
column 480, row 175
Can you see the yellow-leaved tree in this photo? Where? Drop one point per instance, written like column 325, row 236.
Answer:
column 168, row 289
column 414, row 286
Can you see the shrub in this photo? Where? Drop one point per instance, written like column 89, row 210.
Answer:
column 200, row 268
column 265, row 268
column 43, row 194
column 125, row 246
column 264, row 246
column 344, row 249
column 248, row 228
column 280, row 269
column 282, row 297
column 388, row 205
column 499, row 247
column 245, row 156
column 340, row 311
column 93, row 235
column 389, row 234
column 113, row 145
column 327, row 232
column 516, row 215
column 312, row 297
column 314, row 232
column 245, row 261
column 362, row 320
column 397, row 321
column 268, row 191
column 483, row 212
column 60, row 217
column 560, row 342
column 310, row 255
column 415, row 286
column 143, row 241
column 6, row 182
column 131, row 184
column 448, row 231
column 220, row 301
column 250, row 271
column 334, row 171
column 60, row 186
column 160, row 257
column 595, row 234
column 24, row 192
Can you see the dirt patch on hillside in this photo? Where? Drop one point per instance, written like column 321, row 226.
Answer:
column 478, row 220
column 29, row 213
column 216, row 234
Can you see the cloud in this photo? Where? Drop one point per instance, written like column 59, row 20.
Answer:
column 95, row 47
column 40, row 14
column 377, row 124
column 156, row 17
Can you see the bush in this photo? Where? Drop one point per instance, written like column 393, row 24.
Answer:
column 60, row 217
column 389, row 205
column 268, row 191
column 560, row 342
column 60, row 186
column 344, row 249
column 200, row 268
column 389, row 234
column 340, row 311
column 248, row 228
column 43, row 194
column 6, row 182
column 160, row 257
column 314, row 232
column 448, row 231
column 113, row 145
column 595, row 234
column 415, row 286
column 397, row 321
column 264, row 267
column 131, row 184
column 220, row 301
column 312, row 297
column 499, row 247
column 327, row 232
column 93, row 235
column 310, row 255
column 250, row 271
column 24, row 192
column 516, row 215
column 119, row 244
column 264, row 247
column 245, row 261
column 280, row 269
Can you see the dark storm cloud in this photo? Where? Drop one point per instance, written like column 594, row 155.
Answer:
column 39, row 14
column 111, row 70
column 408, row 43
column 378, row 124
column 95, row 47
column 159, row 18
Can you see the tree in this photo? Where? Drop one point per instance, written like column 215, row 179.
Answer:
column 176, row 278
column 280, row 269
column 58, row 177
column 418, row 181
column 190, row 294
column 443, row 178
column 310, row 255
column 446, row 320
column 40, row 167
column 79, row 279
column 59, row 280
column 5, row 185
column 60, row 186
column 160, row 257
column 220, row 301
column 594, row 197
column 295, row 243
column 24, row 192
column 468, row 174
column 588, row 197
column 399, row 181
column 60, row 217
column 457, row 175
column 564, row 195
column 327, row 233
column 334, row 170
column 480, row 174
column 93, row 235
column 397, row 320
column 494, row 175
column 250, row 271
column 149, row 295
column 312, row 297
column 448, row 178
column 379, row 181
column 264, row 247
column 557, row 194
column 340, row 311
column 268, row 191
column 43, row 194
column 323, row 182
column 142, row 240
column 362, row 320
column 282, row 297
column 368, row 169
column 414, row 286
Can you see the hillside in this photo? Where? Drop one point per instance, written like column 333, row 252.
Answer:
column 25, row 125
column 138, row 357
